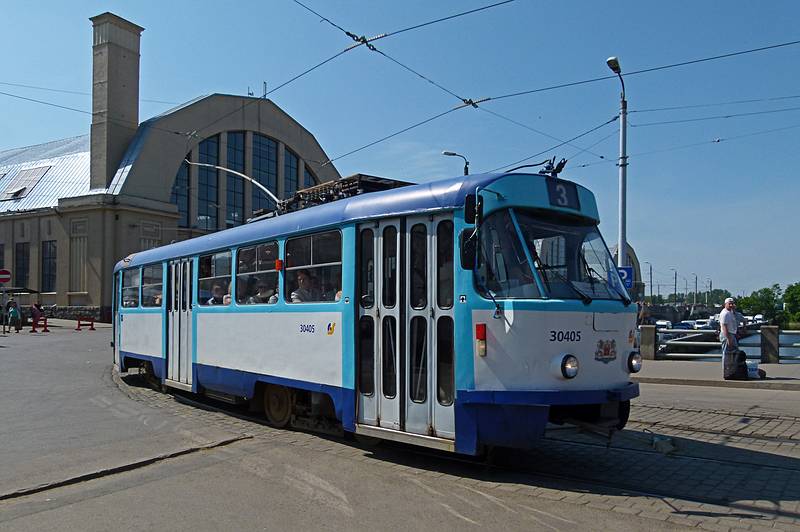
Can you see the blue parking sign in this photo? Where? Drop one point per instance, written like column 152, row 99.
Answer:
column 626, row 275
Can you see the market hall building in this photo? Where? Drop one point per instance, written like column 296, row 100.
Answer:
column 70, row 209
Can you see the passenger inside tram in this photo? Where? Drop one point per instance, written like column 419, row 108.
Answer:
column 306, row 290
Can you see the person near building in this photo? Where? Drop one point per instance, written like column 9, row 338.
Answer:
column 14, row 315
column 728, row 325
column 36, row 315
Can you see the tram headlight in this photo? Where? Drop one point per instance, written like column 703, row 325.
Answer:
column 634, row 362
column 569, row 367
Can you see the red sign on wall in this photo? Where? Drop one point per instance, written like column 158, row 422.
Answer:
column 5, row 276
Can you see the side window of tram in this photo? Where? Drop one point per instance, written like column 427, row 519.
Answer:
column 389, row 280
column 130, row 288
column 152, row 286
column 367, row 269
column 419, row 267
column 214, row 279
column 444, row 264
column 314, row 268
column 256, row 276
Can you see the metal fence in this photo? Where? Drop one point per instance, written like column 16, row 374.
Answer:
column 664, row 342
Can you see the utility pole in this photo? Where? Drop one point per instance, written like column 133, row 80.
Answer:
column 651, row 281
column 694, row 298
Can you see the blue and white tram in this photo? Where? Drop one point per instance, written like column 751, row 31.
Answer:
column 456, row 314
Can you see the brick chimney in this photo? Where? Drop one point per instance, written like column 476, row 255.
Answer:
column 115, row 93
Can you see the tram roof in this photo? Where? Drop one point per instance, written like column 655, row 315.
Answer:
column 415, row 199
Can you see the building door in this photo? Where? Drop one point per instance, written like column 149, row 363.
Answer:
column 429, row 352
column 378, row 344
column 179, row 324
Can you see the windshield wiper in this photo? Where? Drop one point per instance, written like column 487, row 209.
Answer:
column 585, row 298
column 595, row 275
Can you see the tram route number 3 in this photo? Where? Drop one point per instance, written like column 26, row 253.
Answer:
column 565, row 336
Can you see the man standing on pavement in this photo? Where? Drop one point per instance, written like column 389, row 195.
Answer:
column 728, row 324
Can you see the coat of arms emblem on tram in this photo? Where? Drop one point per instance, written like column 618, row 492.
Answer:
column 606, row 351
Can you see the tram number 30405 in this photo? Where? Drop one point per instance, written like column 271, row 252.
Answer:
column 565, row 336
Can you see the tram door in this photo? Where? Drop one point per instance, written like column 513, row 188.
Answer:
column 429, row 343
column 379, row 322
column 179, row 314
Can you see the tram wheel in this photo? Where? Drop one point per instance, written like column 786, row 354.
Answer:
column 278, row 402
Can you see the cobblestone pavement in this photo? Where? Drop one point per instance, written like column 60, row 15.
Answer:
column 713, row 480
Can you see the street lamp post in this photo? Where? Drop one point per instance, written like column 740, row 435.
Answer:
column 622, row 247
column 651, row 281
column 454, row 154
column 675, row 288
column 694, row 298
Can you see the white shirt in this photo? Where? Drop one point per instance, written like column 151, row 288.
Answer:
column 728, row 318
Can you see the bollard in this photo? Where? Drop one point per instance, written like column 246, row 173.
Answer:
column 648, row 342
column 770, row 344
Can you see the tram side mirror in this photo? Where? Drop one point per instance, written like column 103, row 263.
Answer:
column 469, row 209
column 473, row 209
column 468, row 249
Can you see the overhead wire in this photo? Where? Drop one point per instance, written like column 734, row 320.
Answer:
column 717, row 140
column 714, row 104
column 342, row 52
column 67, row 91
column 647, row 70
column 718, row 117
column 576, row 137
column 467, row 102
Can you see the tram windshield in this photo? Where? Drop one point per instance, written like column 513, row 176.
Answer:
column 568, row 254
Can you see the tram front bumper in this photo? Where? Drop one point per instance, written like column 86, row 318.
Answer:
column 518, row 418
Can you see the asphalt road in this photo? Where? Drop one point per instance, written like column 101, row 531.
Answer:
column 63, row 416
column 740, row 400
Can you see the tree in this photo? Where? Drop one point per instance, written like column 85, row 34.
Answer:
column 765, row 301
column 791, row 298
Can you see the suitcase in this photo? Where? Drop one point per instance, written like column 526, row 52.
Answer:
column 736, row 366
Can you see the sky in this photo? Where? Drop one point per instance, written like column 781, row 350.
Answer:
column 717, row 198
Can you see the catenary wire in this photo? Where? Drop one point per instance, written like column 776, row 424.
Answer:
column 717, row 117
column 717, row 140
column 714, row 104
column 465, row 101
column 67, row 91
column 576, row 137
column 340, row 53
column 647, row 70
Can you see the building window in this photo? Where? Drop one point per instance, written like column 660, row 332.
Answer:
column 214, row 287
column 208, row 185
column 234, row 213
column 180, row 194
column 290, row 164
column 48, row 266
column 151, row 235
column 309, row 180
column 314, row 268
column 265, row 170
column 78, row 256
column 22, row 262
column 2, row 255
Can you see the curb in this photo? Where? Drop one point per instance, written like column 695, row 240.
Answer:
column 755, row 385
